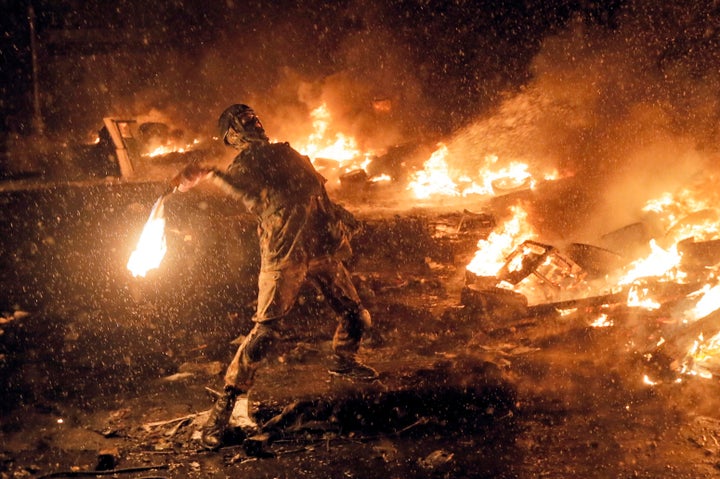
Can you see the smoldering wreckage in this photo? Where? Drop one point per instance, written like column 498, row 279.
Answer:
column 501, row 353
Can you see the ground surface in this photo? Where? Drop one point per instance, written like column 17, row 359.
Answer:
column 99, row 370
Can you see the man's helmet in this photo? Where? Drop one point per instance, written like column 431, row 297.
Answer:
column 239, row 124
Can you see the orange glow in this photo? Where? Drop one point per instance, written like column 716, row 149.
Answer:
column 492, row 252
column 169, row 148
column 437, row 178
column 152, row 246
column 327, row 144
column 660, row 263
column 382, row 105
column 601, row 321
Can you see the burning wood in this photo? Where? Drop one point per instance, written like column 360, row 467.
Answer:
column 438, row 178
column 535, row 272
column 491, row 253
column 329, row 149
column 553, row 271
column 689, row 351
column 152, row 245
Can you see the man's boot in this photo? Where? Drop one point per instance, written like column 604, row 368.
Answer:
column 346, row 343
column 217, row 422
column 347, row 366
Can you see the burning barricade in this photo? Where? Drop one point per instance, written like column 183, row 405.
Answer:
column 533, row 273
column 668, row 297
column 659, row 266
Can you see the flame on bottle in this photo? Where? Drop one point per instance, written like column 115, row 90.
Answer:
column 152, row 245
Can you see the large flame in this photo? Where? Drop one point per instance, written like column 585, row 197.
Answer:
column 437, row 178
column 330, row 149
column 434, row 178
column 327, row 144
column 493, row 251
column 152, row 246
column 683, row 215
column 660, row 263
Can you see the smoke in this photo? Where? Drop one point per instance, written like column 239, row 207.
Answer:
column 284, row 60
column 300, row 63
column 389, row 72
column 629, row 106
column 630, row 111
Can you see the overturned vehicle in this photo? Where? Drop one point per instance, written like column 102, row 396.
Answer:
column 149, row 151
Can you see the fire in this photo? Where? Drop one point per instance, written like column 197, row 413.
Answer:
column 660, row 263
column 709, row 302
column 170, row 148
column 648, row 381
column 601, row 321
column 671, row 208
column 700, row 352
column 437, row 179
column 683, row 216
column 152, row 245
column 381, row 178
column 325, row 144
column 688, row 213
column 491, row 253
column 639, row 297
column 434, row 178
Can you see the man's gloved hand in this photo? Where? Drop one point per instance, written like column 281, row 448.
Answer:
column 190, row 176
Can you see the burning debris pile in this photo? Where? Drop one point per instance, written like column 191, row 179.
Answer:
column 600, row 110
column 662, row 270
column 664, row 265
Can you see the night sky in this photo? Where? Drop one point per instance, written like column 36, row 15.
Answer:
column 441, row 62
